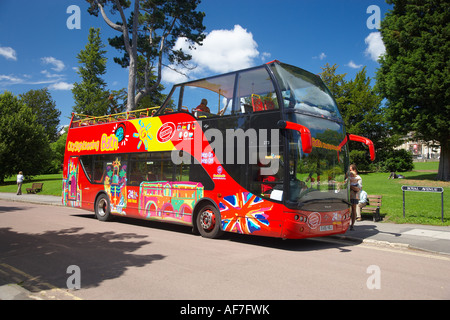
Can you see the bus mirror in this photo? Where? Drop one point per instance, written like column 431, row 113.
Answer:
column 366, row 141
column 305, row 134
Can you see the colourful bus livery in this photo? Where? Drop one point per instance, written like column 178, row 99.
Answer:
column 168, row 200
column 270, row 158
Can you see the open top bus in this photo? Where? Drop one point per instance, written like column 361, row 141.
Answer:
column 269, row 158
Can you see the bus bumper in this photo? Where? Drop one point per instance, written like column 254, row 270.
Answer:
column 301, row 225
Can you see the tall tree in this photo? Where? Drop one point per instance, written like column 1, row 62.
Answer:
column 90, row 95
column 414, row 74
column 23, row 142
column 44, row 107
column 57, row 155
column 361, row 109
column 148, row 37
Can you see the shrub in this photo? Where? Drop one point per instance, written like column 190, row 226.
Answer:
column 397, row 161
column 360, row 158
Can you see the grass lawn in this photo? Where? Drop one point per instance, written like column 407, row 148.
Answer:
column 52, row 184
column 421, row 207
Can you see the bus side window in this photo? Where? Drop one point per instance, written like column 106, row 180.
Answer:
column 193, row 172
column 138, row 168
column 86, row 163
column 98, row 171
column 217, row 91
column 256, row 92
column 198, row 174
column 173, row 102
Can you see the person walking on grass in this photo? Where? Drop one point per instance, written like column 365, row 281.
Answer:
column 19, row 183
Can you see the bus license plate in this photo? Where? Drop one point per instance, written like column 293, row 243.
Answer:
column 326, row 228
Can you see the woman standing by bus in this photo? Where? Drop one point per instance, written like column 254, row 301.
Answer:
column 355, row 190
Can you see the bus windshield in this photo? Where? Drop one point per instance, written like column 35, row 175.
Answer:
column 305, row 92
column 319, row 176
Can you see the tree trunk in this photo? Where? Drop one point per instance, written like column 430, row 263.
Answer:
column 131, row 84
column 444, row 162
column 132, row 52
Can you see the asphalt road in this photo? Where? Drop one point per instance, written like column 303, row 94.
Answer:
column 45, row 249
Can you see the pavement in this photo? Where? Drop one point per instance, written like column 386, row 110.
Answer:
column 32, row 198
column 432, row 239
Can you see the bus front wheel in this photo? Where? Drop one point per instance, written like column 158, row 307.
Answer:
column 208, row 222
column 103, row 208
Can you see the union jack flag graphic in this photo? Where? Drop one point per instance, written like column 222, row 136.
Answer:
column 244, row 213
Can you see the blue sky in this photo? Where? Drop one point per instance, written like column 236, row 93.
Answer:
column 38, row 50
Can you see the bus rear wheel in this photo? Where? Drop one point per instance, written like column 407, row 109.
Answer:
column 208, row 222
column 103, row 208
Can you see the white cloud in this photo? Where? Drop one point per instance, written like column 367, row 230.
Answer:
column 227, row 50
column 222, row 51
column 8, row 80
column 53, row 81
column 51, row 75
column 5, row 79
column 58, row 65
column 61, row 86
column 9, row 53
column 321, row 56
column 265, row 56
column 171, row 76
column 375, row 46
column 353, row 65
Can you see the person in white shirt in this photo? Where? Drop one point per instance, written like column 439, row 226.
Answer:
column 361, row 204
column 19, row 183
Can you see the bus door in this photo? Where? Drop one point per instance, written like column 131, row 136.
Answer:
column 72, row 178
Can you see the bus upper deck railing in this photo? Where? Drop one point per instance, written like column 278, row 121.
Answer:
column 81, row 120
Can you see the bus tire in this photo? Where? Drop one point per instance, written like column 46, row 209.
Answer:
column 208, row 222
column 103, row 208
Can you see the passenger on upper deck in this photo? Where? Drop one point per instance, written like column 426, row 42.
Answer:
column 202, row 106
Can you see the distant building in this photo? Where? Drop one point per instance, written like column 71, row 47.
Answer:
column 421, row 150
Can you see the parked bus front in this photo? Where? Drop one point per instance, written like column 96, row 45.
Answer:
column 317, row 191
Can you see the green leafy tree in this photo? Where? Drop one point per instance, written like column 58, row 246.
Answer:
column 148, row 37
column 90, row 95
column 362, row 112
column 24, row 144
column 58, row 148
column 414, row 73
column 44, row 107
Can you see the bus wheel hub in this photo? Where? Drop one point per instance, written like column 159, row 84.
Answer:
column 207, row 220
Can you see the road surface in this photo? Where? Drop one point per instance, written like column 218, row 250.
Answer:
column 50, row 251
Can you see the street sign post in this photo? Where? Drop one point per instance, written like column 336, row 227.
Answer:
column 425, row 189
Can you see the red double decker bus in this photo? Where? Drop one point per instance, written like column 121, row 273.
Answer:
column 260, row 151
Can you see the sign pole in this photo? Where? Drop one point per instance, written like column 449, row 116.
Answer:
column 403, row 203
column 425, row 189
